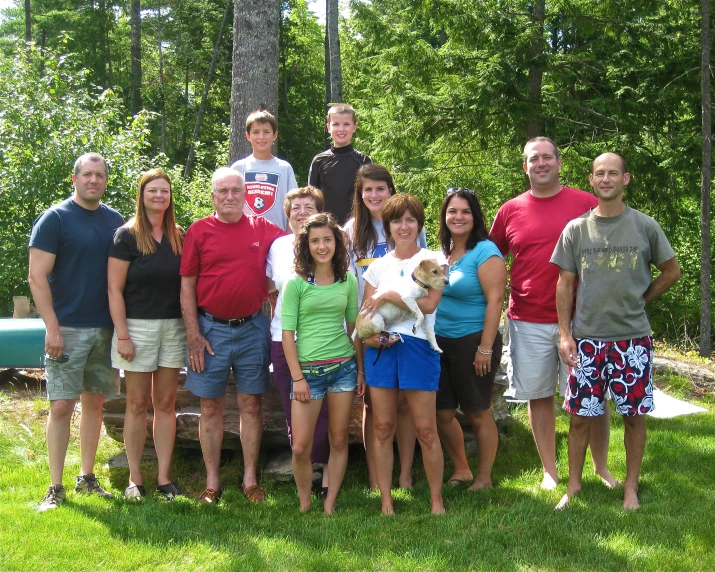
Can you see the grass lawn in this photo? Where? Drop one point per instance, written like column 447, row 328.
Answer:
column 511, row 527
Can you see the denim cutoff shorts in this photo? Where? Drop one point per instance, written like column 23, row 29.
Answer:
column 339, row 381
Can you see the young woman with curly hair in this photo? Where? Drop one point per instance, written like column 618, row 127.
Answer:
column 324, row 363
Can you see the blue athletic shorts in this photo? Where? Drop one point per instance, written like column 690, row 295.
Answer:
column 407, row 364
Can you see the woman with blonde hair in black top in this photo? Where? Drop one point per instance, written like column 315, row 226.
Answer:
column 149, row 341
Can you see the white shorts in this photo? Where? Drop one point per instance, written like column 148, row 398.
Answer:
column 536, row 368
column 157, row 343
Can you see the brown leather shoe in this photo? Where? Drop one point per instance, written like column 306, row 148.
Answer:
column 209, row 496
column 255, row 493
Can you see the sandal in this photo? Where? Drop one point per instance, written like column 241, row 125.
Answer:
column 209, row 496
column 255, row 493
column 171, row 490
column 135, row 492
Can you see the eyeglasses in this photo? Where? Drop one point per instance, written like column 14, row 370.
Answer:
column 452, row 190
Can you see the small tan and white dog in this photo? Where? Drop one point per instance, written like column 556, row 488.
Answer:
column 427, row 274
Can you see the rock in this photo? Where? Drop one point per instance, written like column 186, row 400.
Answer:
column 120, row 461
column 278, row 466
column 700, row 376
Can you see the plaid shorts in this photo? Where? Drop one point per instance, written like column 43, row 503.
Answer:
column 624, row 367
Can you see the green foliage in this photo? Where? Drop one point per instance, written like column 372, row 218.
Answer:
column 47, row 120
column 301, row 88
column 442, row 90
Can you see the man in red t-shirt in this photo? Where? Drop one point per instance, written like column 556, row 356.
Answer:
column 223, row 286
column 529, row 226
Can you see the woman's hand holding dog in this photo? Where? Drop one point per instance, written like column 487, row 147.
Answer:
column 374, row 341
column 372, row 304
column 301, row 391
column 197, row 345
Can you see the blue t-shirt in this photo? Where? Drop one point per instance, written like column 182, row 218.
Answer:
column 462, row 307
column 80, row 240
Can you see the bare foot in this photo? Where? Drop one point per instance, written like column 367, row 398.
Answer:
column 329, row 509
column 406, row 483
column 437, row 506
column 305, row 509
column 566, row 499
column 479, row 485
column 549, row 483
column 630, row 499
column 459, row 478
column 608, row 479
column 388, row 509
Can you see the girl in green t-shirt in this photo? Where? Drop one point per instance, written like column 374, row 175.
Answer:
column 323, row 361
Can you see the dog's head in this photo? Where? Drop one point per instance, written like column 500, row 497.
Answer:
column 431, row 274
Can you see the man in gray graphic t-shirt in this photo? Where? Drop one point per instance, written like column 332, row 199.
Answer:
column 608, row 345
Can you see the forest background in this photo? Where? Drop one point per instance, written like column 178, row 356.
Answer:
column 446, row 91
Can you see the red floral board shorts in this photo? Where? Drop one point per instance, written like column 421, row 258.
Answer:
column 623, row 367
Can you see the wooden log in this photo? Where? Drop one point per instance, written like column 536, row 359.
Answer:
column 188, row 411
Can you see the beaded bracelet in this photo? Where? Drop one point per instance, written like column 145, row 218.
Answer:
column 486, row 353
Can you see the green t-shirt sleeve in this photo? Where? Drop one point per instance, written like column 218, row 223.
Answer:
column 351, row 309
column 291, row 304
column 660, row 248
column 564, row 256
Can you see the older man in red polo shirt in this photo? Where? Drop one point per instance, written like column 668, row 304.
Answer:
column 223, row 286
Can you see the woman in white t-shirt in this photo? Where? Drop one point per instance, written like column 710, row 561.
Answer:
column 373, row 187
column 407, row 362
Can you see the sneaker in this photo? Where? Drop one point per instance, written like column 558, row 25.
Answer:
column 54, row 497
column 134, row 492
column 171, row 490
column 89, row 484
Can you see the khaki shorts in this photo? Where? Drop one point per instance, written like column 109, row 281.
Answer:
column 535, row 370
column 88, row 366
column 157, row 343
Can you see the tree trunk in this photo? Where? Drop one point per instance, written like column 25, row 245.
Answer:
column 102, row 33
column 161, row 80
column 536, row 71
column 327, row 84
column 705, row 181
column 28, row 22
column 335, row 69
column 135, row 22
column 204, row 97
column 255, row 66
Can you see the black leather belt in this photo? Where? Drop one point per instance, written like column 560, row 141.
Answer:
column 235, row 322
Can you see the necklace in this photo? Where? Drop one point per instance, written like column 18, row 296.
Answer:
column 402, row 263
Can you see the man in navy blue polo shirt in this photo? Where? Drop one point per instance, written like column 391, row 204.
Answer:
column 68, row 278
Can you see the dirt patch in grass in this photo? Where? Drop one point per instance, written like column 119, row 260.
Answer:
column 22, row 394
